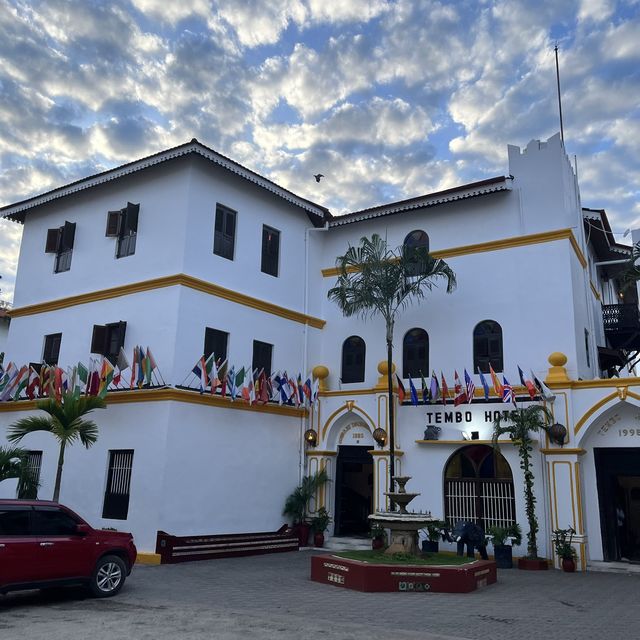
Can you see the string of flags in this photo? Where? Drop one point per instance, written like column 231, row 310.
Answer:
column 217, row 377
column 438, row 391
column 100, row 375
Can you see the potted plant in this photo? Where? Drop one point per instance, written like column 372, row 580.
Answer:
column 319, row 524
column 296, row 505
column 518, row 425
column 503, row 539
column 433, row 530
column 562, row 539
column 378, row 536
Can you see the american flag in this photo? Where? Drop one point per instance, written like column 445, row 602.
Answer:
column 507, row 391
column 470, row 386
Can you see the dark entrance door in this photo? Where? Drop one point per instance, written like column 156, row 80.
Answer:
column 618, row 475
column 354, row 490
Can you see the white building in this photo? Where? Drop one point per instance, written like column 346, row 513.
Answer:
column 200, row 254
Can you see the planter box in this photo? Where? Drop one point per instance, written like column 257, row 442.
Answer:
column 539, row 564
column 503, row 555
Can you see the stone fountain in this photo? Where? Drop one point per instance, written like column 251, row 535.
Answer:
column 404, row 525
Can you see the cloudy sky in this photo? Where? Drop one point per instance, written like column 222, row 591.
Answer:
column 387, row 98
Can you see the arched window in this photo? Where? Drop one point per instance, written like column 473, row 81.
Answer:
column 487, row 346
column 478, row 486
column 415, row 353
column 416, row 240
column 353, row 354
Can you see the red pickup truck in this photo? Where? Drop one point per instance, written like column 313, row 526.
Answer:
column 44, row 544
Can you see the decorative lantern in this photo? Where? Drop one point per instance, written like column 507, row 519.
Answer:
column 311, row 437
column 557, row 433
column 380, row 436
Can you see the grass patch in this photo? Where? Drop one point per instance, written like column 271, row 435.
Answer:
column 379, row 557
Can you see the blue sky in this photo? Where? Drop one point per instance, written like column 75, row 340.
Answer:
column 388, row 99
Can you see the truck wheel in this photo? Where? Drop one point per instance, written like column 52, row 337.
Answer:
column 108, row 576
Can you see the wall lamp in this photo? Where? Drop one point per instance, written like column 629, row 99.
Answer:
column 311, row 437
column 380, row 436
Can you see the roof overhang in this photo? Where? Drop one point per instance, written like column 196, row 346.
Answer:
column 601, row 238
column 463, row 192
column 18, row 210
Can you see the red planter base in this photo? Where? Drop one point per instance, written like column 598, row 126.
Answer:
column 318, row 539
column 362, row 576
column 568, row 565
column 528, row 564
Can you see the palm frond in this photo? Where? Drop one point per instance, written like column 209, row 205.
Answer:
column 30, row 424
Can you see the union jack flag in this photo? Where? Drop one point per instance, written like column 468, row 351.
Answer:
column 507, row 392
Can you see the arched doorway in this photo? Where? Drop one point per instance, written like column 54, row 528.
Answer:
column 354, row 490
column 478, row 486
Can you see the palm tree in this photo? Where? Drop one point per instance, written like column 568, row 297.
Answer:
column 65, row 422
column 375, row 280
column 14, row 464
column 519, row 424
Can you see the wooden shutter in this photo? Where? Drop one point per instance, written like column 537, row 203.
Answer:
column 116, row 497
column 114, row 221
column 131, row 217
column 99, row 339
column 53, row 240
column 121, row 328
column 68, row 235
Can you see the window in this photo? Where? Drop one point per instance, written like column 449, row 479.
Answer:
column 415, row 247
column 224, row 237
column 123, row 225
column 51, row 348
column 215, row 342
column 415, row 354
column 34, row 463
column 107, row 339
column 60, row 242
column 262, row 353
column 586, row 347
column 270, row 250
column 353, row 355
column 52, row 521
column 14, row 521
column 478, row 486
column 116, row 496
column 487, row 346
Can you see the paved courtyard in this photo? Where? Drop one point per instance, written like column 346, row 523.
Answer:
column 272, row 597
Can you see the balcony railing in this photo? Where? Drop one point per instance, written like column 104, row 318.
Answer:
column 622, row 325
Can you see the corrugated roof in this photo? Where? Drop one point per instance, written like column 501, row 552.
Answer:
column 18, row 210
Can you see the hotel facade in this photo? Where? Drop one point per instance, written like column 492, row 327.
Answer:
column 187, row 252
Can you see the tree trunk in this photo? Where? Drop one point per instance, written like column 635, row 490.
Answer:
column 530, row 501
column 392, row 444
column 56, row 489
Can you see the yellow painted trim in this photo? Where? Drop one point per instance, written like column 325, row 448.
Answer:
column 579, row 498
column 386, row 452
column 497, row 245
column 465, row 442
column 320, row 452
column 583, row 556
column 595, row 291
column 179, row 279
column 353, row 392
column 560, row 452
column 148, row 558
column 555, row 496
column 599, row 405
column 172, row 395
column 342, row 409
column 607, row 383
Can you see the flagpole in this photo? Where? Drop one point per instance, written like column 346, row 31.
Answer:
column 559, row 98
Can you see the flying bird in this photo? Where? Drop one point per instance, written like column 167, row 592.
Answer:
column 318, row 176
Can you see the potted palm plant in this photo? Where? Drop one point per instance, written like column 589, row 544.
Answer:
column 562, row 539
column 378, row 536
column 504, row 538
column 319, row 524
column 518, row 425
column 296, row 505
column 434, row 531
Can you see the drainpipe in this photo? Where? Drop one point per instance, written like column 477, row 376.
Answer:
column 305, row 359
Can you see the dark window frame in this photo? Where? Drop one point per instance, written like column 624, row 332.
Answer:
column 117, row 492
column 34, row 468
column 51, row 348
column 416, row 241
column 107, row 339
column 270, row 255
column 411, row 343
column 488, row 346
column 213, row 339
column 586, row 347
column 353, row 361
column 60, row 241
column 262, row 357
column 224, row 239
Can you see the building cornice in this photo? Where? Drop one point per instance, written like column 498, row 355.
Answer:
column 179, row 279
column 498, row 245
column 17, row 211
column 170, row 394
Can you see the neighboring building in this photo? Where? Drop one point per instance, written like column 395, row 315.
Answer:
column 187, row 251
column 5, row 320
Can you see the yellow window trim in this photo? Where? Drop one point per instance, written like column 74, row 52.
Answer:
column 497, row 245
column 179, row 279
